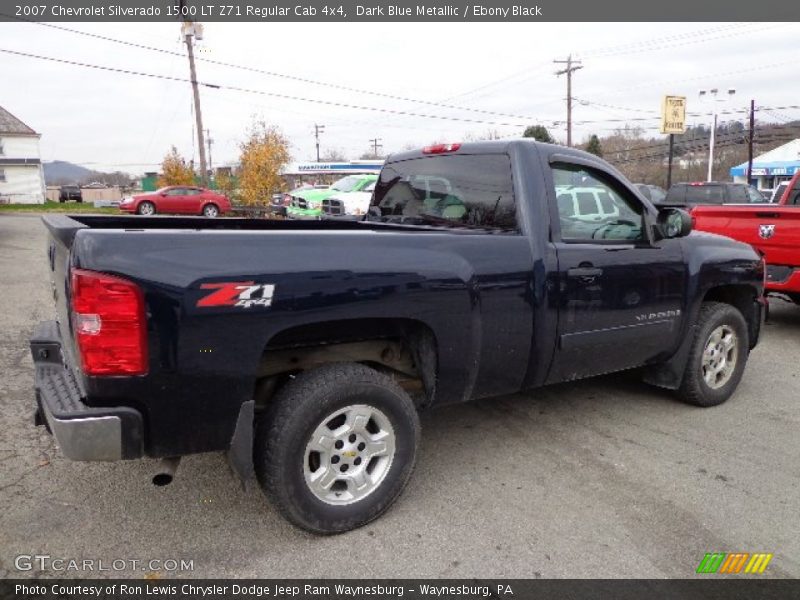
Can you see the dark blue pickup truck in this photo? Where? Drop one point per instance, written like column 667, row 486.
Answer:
column 306, row 349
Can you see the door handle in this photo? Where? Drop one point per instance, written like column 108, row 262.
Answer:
column 589, row 272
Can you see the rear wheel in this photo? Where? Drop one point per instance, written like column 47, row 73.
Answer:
column 337, row 447
column 146, row 209
column 210, row 211
column 718, row 356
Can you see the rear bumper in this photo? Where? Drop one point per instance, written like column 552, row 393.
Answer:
column 83, row 432
column 780, row 281
column 344, row 217
column 303, row 213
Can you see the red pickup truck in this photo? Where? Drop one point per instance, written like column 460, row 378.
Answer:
column 772, row 229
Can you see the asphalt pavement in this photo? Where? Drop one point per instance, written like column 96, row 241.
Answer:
column 606, row 477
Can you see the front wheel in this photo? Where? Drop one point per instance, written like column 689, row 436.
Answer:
column 717, row 357
column 337, row 447
column 210, row 211
column 146, row 209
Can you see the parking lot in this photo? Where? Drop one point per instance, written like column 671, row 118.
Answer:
column 602, row 478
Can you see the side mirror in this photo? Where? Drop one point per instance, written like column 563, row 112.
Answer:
column 673, row 223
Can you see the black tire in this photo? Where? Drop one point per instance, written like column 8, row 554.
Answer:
column 211, row 211
column 141, row 211
column 299, row 409
column 794, row 297
column 694, row 388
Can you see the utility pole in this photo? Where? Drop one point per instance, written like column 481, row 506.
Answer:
column 209, row 141
column 712, row 95
column 317, row 130
column 669, row 164
column 572, row 65
column 750, row 141
column 375, row 145
column 191, row 30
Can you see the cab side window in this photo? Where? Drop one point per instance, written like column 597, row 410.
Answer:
column 755, row 196
column 593, row 207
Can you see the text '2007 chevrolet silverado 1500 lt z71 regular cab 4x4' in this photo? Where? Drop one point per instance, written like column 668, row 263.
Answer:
column 306, row 349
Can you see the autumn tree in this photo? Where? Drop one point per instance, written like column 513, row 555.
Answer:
column 539, row 133
column 265, row 153
column 174, row 170
column 226, row 184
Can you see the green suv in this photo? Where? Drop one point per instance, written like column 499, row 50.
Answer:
column 307, row 204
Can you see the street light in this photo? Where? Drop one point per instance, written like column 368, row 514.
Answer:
column 713, row 95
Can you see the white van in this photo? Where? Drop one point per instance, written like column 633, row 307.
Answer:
column 586, row 203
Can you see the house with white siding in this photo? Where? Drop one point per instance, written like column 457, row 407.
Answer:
column 21, row 172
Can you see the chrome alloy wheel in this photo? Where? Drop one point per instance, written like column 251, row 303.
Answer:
column 719, row 356
column 349, row 454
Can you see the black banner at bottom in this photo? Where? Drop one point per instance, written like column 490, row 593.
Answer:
column 729, row 588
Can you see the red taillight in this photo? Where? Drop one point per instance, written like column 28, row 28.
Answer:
column 287, row 199
column 109, row 322
column 441, row 148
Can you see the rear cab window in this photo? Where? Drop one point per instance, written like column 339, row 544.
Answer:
column 705, row 194
column 450, row 190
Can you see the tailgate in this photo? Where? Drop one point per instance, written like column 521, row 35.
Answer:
column 773, row 230
column 62, row 231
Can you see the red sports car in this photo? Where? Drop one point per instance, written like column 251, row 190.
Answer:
column 178, row 199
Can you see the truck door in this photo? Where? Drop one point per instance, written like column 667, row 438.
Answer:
column 620, row 293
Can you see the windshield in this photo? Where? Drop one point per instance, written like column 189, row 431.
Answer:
column 347, row 184
column 778, row 193
column 370, row 187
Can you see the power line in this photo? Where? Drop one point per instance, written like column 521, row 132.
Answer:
column 280, row 75
column 632, row 47
column 260, row 92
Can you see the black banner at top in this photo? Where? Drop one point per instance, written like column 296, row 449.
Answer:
column 396, row 10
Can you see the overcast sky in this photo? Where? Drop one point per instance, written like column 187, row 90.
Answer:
column 114, row 121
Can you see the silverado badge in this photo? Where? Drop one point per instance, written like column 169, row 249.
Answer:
column 766, row 231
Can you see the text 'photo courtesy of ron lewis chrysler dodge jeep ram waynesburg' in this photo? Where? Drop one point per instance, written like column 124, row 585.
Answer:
column 471, row 275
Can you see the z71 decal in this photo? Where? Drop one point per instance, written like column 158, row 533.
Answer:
column 242, row 294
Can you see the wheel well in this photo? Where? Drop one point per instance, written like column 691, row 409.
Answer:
column 740, row 296
column 403, row 348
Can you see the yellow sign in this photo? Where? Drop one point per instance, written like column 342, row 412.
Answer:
column 673, row 114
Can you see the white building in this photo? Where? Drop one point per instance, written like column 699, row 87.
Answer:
column 771, row 168
column 21, row 173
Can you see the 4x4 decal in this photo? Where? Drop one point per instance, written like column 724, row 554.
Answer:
column 243, row 294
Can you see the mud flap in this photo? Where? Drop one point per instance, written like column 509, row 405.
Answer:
column 669, row 374
column 240, row 452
